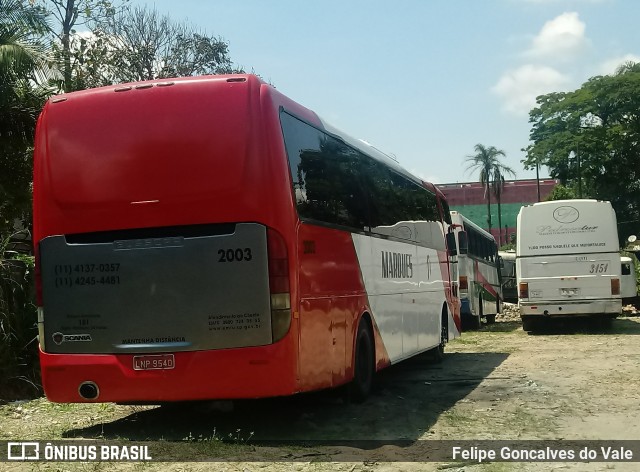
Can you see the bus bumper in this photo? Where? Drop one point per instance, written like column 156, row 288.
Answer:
column 564, row 308
column 203, row 375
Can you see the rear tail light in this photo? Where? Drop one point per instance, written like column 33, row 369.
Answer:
column 615, row 286
column 464, row 284
column 523, row 290
column 278, row 285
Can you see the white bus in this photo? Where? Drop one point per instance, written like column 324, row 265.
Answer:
column 478, row 272
column 567, row 261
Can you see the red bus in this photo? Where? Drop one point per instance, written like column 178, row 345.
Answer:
column 209, row 238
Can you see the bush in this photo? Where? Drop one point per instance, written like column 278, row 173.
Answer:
column 19, row 368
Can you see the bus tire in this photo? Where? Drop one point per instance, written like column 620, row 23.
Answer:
column 438, row 352
column 476, row 320
column 491, row 319
column 363, row 365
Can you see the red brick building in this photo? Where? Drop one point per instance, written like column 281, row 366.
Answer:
column 469, row 199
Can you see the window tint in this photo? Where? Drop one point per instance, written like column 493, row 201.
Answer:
column 463, row 242
column 394, row 198
column 339, row 185
column 325, row 175
column 481, row 246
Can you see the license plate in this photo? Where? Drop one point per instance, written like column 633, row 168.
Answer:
column 570, row 292
column 535, row 294
column 154, row 362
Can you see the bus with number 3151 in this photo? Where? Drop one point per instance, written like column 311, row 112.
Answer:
column 567, row 262
column 209, row 238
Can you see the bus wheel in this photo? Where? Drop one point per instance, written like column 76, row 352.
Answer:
column 475, row 321
column 438, row 352
column 491, row 319
column 363, row 371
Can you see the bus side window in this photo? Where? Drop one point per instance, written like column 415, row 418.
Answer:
column 463, row 243
column 325, row 174
column 451, row 244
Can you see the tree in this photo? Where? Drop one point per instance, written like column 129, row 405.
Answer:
column 140, row 44
column 126, row 44
column 23, row 66
column 590, row 139
column 560, row 192
column 69, row 14
column 497, row 186
column 21, row 53
column 492, row 171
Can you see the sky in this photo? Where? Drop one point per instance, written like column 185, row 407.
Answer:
column 423, row 80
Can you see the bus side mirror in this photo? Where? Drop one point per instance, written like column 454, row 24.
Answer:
column 451, row 244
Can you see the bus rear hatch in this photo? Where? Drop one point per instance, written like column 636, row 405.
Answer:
column 156, row 290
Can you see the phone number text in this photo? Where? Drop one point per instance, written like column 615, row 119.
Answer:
column 82, row 281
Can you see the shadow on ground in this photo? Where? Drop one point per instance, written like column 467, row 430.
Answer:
column 407, row 400
column 587, row 326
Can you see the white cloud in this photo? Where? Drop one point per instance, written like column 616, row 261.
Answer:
column 520, row 87
column 609, row 67
column 559, row 39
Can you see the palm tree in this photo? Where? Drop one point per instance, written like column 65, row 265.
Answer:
column 498, row 187
column 22, row 52
column 487, row 161
column 23, row 66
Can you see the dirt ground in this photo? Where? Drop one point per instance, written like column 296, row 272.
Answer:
column 571, row 382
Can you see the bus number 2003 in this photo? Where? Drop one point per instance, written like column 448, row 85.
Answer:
column 235, row 255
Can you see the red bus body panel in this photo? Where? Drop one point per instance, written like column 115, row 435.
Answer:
column 239, row 373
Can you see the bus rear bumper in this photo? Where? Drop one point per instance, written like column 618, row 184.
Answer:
column 202, row 375
column 564, row 308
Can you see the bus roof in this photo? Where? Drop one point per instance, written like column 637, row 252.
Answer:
column 459, row 218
